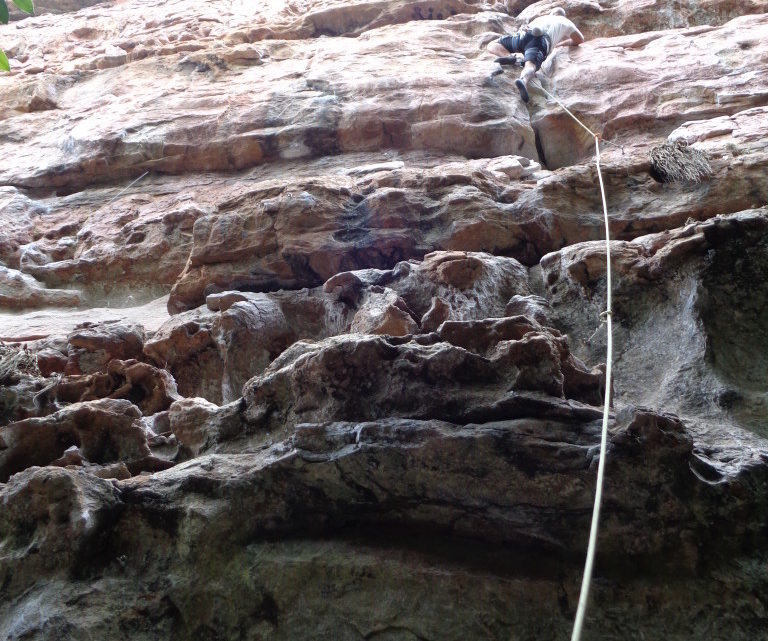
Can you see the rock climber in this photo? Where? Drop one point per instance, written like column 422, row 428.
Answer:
column 535, row 41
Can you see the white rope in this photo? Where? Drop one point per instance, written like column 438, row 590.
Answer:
column 578, row 623
column 586, row 580
column 589, row 131
column 121, row 192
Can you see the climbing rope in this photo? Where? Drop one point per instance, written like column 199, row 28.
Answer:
column 606, row 316
column 122, row 191
column 118, row 194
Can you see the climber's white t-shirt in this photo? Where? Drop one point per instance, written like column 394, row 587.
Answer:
column 557, row 28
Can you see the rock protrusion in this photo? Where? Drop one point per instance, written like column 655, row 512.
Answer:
column 104, row 432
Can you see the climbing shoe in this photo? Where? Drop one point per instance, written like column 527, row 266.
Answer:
column 523, row 91
column 509, row 60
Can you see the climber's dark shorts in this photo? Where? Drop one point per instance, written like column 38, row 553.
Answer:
column 534, row 49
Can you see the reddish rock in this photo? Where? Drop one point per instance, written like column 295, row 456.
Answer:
column 185, row 347
column 224, row 300
column 19, row 291
column 382, row 311
column 249, row 335
column 630, row 17
column 336, row 18
column 638, row 82
column 133, row 254
column 92, row 346
column 249, row 330
column 51, row 361
column 300, row 172
column 332, row 109
column 118, row 471
column 146, row 242
column 149, row 388
column 438, row 312
column 388, row 225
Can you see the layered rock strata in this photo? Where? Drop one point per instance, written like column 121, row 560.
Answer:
column 301, row 323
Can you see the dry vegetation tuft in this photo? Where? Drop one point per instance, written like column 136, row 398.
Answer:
column 677, row 162
column 15, row 361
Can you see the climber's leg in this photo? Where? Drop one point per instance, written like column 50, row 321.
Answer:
column 522, row 83
column 534, row 56
column 497, row 49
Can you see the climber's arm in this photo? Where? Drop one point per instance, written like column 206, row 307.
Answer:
column 572, row 36
column 576, row 37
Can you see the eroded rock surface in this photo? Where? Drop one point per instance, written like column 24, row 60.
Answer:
column 104, row 431
column 19, row 291
column 300, row 310
column 705, row 283
column 238, row 334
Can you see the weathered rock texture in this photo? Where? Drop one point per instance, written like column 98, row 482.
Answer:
column 300, row 312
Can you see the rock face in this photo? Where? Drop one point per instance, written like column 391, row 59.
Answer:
column 300, row 322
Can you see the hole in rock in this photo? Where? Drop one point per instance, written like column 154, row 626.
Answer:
column 137, row 394
column 734, row 311
column 67, row 190
column 540, row 149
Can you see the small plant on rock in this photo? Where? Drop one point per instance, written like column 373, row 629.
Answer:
column 15, row 361
column 24, row 5
column 677, row 162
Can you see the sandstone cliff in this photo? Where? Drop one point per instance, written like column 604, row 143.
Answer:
column 301, row 326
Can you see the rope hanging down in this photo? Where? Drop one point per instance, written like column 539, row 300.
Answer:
column 581, row 609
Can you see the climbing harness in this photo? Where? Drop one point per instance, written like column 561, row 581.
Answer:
column 607, row 318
